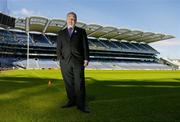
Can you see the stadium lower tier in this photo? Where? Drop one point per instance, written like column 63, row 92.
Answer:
column 95, row 64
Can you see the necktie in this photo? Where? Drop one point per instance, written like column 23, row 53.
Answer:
column 70, row 31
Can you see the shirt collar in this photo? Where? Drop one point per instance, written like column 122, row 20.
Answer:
column 70, row 26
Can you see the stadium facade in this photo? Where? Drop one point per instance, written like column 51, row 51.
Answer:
column 32, row 44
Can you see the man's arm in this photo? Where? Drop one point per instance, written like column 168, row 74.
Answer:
column 59, row 47
column 85, row 46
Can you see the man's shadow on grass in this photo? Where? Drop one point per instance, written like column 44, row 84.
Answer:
column 97, row 89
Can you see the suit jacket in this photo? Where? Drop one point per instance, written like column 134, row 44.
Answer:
column 75, row 46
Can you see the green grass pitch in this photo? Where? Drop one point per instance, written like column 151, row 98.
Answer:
column 112, row 96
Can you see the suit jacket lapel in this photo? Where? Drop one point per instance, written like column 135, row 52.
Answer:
column 66, row 33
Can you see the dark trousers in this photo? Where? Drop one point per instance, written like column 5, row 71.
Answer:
column 73, row 76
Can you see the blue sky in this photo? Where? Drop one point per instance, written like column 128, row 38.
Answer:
column 160, row 16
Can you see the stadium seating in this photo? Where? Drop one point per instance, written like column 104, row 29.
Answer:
column 6, row 37
column 96, row 64
column 21, row 38
column 109, row 44
column 45, row 63
column 39, row 40
column 97, row 44
column 53, row 39
column 125, row 65
column 14, row 37
column 23, row 63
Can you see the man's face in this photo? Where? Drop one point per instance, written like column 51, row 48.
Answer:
column 71, row 20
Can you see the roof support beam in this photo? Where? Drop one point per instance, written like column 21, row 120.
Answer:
column 108, row 33
column 155, row 37
column 46, row 26
column 95, row 31
column 138, row 39
column 133, row 36
column 120, row 34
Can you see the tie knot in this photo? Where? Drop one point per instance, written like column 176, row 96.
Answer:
column 70, row 28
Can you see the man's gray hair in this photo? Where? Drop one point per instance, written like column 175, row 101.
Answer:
column 72, row 13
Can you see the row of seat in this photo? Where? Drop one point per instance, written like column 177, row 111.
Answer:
column 51, row 40
column 44, row 63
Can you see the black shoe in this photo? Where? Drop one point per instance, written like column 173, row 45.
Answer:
column 84, row 110
column 68, row 105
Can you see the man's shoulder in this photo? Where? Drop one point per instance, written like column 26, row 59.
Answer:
column 61, row 31
column 76, row 28
column 79, row 28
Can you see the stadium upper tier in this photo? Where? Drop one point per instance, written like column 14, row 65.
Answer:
column 45, row 25
column 40, row 40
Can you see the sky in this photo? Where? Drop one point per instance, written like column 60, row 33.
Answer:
column 159, row 16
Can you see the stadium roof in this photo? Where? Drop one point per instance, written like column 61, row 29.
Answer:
column 46, row 25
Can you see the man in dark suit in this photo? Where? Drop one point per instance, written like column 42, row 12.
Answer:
column 73, row 52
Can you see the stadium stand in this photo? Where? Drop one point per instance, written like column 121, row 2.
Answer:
column 110, row 48
column 176, row 62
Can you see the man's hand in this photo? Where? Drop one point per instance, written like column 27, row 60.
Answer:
column 86, row 63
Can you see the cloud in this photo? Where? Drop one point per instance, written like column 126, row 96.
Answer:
column 24, row 12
